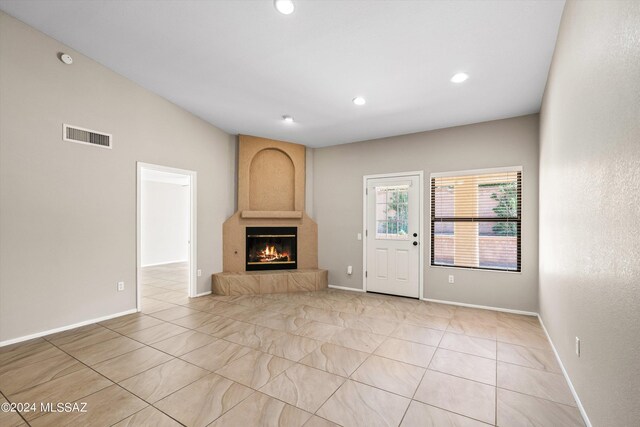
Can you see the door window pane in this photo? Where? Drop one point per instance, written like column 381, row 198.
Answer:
column 392, row 212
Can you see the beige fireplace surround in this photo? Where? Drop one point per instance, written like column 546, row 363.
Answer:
column 271, row 187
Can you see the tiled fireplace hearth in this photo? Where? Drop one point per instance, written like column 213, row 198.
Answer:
column 270, row 244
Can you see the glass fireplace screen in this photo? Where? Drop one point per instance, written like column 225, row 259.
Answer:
column 271, row 248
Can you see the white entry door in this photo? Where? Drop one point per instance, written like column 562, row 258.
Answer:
column 393, row 235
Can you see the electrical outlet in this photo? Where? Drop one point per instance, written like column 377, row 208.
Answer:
column 199, row 273
column 120, row 286
column 577, row 346
column 350, row 270
column 359, row 236
column 451, row 279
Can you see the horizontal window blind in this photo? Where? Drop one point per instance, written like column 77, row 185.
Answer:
column 476, row 220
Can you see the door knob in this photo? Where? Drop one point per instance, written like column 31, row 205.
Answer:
column 415, row 243
column 415, row 234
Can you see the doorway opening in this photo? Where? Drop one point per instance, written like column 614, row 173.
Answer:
column 166, row 246
column 393, row 255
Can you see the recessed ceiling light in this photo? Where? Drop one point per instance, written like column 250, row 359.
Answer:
column 459, row 77
column 287, row 119
column 66, row 58
column 358, row 100
column 285, row 7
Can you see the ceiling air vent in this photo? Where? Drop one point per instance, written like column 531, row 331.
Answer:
column 86, row 136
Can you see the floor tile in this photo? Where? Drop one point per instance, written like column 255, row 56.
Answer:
column 255, row 336
column 358, row 340
column 205, row 303
column 104, row 408
column 318, row 314
column 436, row 309
column 216, row 355
column 69, row 388
column 10, row 419
column 183, row 343
column 284, row 322
column 319, row 331
column 421, row 415
column 477, row 315
column 471, row 345
column 464, row 365
column 255, row 369
column 515, row 409
column 406, row 351
column 132, row 363
column 250, row 300
column 104, row 350
column 473, row 329
column 72, row 343
column 148, row 291
column 39, row 372
column 390, row 375
column 335, row 359
column 292, row 347
column 65, row 337
column 304, row 387
column 223, row 327
column 196, row 320
column 254, row 341
column 173, row 313
column 19, row 357
column 150, row 306
column 203, row 401
column 356, row 404
column 528, row 357
column 231, row 310
column 528, row 324
column 427, row 321
column 157, row 333
column 173, row 297
column 262, row 410
column 148, row 417
column 316, row 421
column 19, row 350
column 464, row 397
column 368, row 324
column 546, row 385
column 418, row 334
column 526, row 339
column 133, row 324
column 384, row 313
column 162, row 380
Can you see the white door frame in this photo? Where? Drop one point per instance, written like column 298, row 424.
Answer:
column 421, row 219
column 193, row 224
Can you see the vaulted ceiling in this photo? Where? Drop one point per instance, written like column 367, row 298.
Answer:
column 242, row 65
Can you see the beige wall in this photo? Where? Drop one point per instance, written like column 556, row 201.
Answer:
column 338, row 173
column 590, row 206
column 68, row 211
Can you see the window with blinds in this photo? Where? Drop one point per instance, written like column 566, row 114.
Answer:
column 476, row 219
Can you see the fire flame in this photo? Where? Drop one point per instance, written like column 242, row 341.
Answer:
column 270, row 254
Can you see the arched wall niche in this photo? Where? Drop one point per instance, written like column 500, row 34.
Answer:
column 272, row 181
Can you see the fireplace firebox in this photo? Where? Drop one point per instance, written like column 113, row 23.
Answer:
column 271, row 248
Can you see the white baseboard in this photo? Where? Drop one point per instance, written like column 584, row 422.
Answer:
column 344, row 288
column 566, row 376
column 203, row 294
column 483, row 307
column 65, row 328
column 164, row 263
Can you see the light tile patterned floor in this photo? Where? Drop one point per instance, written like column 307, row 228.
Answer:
column 315, row 359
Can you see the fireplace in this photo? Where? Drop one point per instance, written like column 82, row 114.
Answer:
column 271, row 248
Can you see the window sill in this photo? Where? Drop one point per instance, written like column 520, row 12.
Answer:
column 474, row 269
